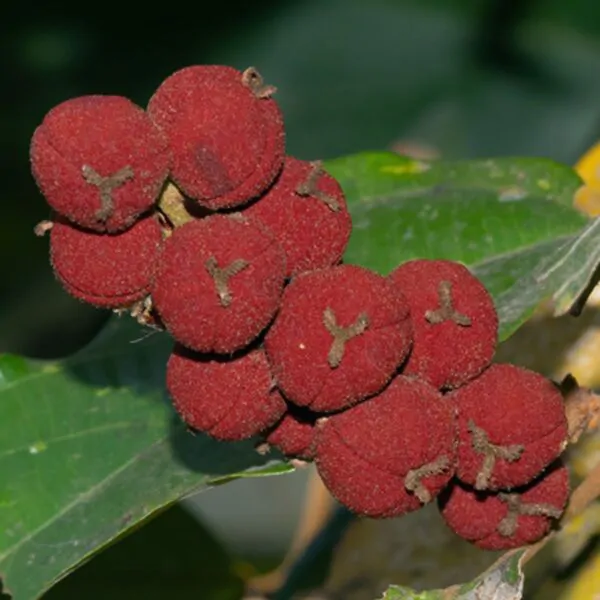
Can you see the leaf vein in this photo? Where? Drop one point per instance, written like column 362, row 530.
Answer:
column 82, row 497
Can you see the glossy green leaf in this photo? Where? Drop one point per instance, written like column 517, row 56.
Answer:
column 559, row 271
column 90, row 448
column 511, row 220
column 469, row 211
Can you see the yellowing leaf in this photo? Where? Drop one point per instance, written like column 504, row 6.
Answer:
column 587, row 198
column 587, row 584
column 588, row 167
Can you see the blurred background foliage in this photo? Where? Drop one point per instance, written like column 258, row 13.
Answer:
column 462, row 78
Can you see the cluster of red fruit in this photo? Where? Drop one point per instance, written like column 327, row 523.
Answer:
column 189, row 215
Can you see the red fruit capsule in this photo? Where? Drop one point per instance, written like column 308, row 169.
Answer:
column 106, row 270
column 391, row 454
column 227, row 398
column 295, row 433
column 306, row 209
column 454, row 321
column 511, row 424
column 99, row 161
column 338, row 338
column 503, row 520
column 225, row 131
column 219, row 282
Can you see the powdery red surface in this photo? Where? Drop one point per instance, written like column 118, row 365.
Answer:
column 295, row 433
column 99, row 161
column 499, row 521
column 447, row 353
column 228, row 144
column 365, row 454
column 228, row 399
column 306, row 209
column 521, row 413
column 195, row 309
column 110, row 271
column 311, row 362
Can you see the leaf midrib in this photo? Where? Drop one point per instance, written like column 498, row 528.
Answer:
column 109, row 427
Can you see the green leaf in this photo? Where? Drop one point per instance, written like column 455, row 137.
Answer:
column 511, row 220
column 465, row 210
column 90, row 448
column 560, row 272
column 396, row 592
column 502, row 581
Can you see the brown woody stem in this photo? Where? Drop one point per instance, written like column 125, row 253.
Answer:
column 582, row 408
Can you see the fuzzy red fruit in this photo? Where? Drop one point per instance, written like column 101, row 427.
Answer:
column 499, row 521
column 294, row 434
column 229, row 399
column 454, row 320
column 306, row 210
column 99, row 161
column 219, row 282
column 389, row 455
column 106, row 270
column 511, row 424
column 339, row 336
column 225, row 131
